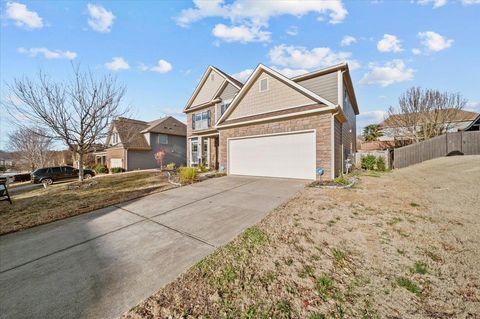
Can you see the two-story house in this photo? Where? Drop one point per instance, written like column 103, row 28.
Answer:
column 273, row 125
column 132, row 144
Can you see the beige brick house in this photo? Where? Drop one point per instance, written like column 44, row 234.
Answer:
column 273, row 125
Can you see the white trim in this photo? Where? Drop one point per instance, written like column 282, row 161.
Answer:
column 226, row 78
column 196, row 107
column 266, row 135
column 332, row 147
column 204, row 135
column 319, row 72
column 340, row 88
column 266, row 119
column 261, row 68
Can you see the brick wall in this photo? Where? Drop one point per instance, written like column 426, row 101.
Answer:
column 320, row 122
column 115, row 153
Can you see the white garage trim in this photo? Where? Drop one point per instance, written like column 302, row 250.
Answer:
column 312, row 154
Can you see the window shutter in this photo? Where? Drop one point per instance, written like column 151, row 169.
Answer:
column 208, row 118
column 193, row 121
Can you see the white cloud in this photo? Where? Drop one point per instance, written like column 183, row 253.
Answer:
column 254, row 16
column 290, row 73
column 117, row 64
column 242, row 76
column 370, row 117
column 298, row 57
column 292, row 30
column 470, row 2
column 23, row 17
column 161, row 67
column 436, row 3
column 434, row 42
column 48, row 54
column 241, row 33
column 101, row 19
column 416, row 51
column 389, row 43
column 347, row 40
column 389, row 73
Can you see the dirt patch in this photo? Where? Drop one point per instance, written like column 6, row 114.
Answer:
column 58, row 201
column 404, row 244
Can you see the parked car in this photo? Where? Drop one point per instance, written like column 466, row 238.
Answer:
column 49, row 175
column 21, row 177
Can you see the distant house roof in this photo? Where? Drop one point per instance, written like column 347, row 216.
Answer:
column 131, row 131
column 455, row 116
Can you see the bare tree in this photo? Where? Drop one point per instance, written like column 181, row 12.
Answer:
column 31, row 145
column 77, row 112
column 424, row 113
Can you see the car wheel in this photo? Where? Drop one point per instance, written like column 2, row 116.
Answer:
column 47, row 181
column 87, row 176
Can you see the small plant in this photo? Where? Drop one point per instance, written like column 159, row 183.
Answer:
column 100, row 169
column 409, row 285
column 420, row 268
column 160, row 156
column 171, row 166
column 339, row 255
column 381, row 164
column 341, row 180
column 115, row 170
column 414, row 204
column 284, row 308
column 324, row 286
column 368, row 162
column 188, row 175
column 202, row 168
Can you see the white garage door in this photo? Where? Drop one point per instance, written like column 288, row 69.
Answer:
column 286, row 155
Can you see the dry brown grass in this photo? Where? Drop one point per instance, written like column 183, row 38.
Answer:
column 365, row 252
column 41, row 206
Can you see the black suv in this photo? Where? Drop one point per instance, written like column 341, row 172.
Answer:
column 49, row 175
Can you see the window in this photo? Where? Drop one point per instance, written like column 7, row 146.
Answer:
column 224, row 106
column 68, row 169
column 162, row 139
column 115, row 139
column 201, row 121
column 263, row 85
column 194, row 151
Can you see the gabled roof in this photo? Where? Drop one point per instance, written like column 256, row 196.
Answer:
column 129, row 133
column 453, row 115
column 166, row 125
column 226, row 77
column 251, row 79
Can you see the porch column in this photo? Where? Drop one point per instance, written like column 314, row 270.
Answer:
column 199, row 149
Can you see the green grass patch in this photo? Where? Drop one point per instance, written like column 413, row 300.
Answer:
column 409, row 285
column 420, row 268
column 325, row 287
column 339, row 255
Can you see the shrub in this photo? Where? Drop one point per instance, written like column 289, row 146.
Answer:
column 115, row 170
column 171, row 166
column 381, row 164
column 100, row 169
column 368, row 162
column 202, row 167
column 187, row 175
column 341, row 180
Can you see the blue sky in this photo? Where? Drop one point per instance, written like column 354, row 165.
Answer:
column 160, row 49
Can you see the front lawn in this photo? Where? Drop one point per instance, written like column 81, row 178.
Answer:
column 399, row 245
column 40, row 206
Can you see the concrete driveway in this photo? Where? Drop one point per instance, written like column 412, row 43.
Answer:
column 100, row 264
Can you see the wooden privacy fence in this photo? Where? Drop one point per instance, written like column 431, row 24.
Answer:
column 467, row 143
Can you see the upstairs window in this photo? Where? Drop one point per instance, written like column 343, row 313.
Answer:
column 263, row 85
column 162, row 139
column 224, row 106
column 201, row 121
column 115, row 138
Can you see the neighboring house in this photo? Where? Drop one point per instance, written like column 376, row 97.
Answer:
column 458, row 120
column 132, row 144
column 273, row 125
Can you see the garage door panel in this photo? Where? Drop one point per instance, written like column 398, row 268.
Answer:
column 286, row 155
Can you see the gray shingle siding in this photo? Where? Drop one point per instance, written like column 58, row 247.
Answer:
column 175, row 149
column 325, row 86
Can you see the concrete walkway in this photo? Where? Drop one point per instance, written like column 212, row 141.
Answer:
column 100, row 264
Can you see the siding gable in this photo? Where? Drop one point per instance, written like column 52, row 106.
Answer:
column 209, row 88
column 278, row 96
column 325, row 86
column 229, row 92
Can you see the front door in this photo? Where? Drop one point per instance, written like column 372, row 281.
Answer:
column 205, row 152
column 194, row 152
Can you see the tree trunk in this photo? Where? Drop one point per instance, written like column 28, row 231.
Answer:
column 80, row 166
